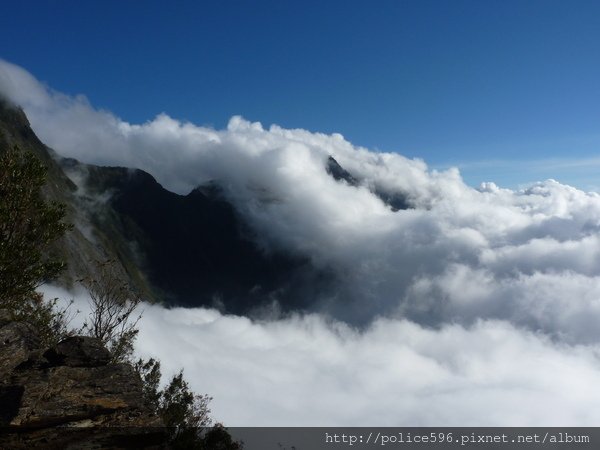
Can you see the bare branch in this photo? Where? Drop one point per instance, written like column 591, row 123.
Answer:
column 113, row 304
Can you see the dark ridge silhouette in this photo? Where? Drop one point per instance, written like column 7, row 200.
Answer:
column 196, row 249
column 191, row 250
column 395, row 200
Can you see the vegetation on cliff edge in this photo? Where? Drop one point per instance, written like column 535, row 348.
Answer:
column 28, row 226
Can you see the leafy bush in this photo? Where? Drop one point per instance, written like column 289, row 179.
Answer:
column 28, row 225
column 184, row 413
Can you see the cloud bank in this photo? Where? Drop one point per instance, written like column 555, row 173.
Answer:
column 479, row 306
column 305, row 371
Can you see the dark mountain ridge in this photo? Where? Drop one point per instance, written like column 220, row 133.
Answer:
column 181, row 250
column 194, row 249
column 396, row 201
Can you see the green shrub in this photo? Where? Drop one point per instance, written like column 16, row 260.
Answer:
column 184, row 413
column 28, row 225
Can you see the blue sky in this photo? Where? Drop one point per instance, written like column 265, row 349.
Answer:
column 508, row 91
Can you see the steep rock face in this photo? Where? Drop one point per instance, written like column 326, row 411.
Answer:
column 395, row 200
column 194, row 249
column 70, row 385
column 338, row 173
column 78, row 247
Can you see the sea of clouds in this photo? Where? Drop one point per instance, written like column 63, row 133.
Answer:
column 477, row 306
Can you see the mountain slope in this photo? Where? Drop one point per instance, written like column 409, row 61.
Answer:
column 75, row 247
column 194, row 249
column 186, row 250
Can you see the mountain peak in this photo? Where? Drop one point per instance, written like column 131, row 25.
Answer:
column 339, row 173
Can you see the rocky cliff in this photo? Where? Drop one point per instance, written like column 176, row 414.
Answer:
column 69, row 395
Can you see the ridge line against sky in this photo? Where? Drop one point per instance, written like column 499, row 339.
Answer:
column 510, row 173
column 453, row 83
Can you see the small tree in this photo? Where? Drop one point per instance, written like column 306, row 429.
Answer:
column 184, row 413
column 28, row 225
column 149, row 372
column 180, row 407
column 112, row 303
column 176, row 404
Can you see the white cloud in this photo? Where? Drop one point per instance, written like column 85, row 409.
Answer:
column 305, row 371
column 508, row 278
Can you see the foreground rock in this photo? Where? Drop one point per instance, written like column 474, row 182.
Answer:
column 69, row 395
